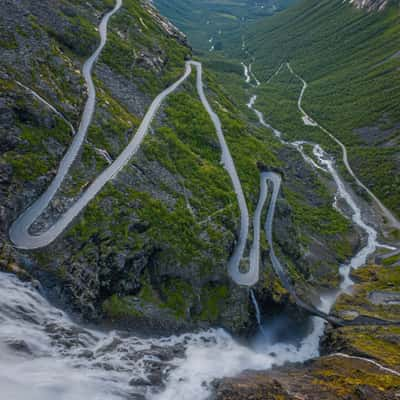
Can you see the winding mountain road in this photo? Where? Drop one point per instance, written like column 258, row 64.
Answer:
column 250, row 277
column 275, row 180
column 19, row 230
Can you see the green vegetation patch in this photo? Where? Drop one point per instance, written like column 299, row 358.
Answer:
column 370, row 279
column 213, row 300
column 139, row 49
column 344, row 376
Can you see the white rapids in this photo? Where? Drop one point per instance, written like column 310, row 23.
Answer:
column 45, row 355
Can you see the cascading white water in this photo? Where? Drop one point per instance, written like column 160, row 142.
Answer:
column 44, row 355
column 370, row 247
column 256, row 307
column 258, row 312
column 246, row 73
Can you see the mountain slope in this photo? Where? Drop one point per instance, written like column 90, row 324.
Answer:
column 350, row 59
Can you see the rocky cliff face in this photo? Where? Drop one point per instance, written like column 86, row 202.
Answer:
column 359, row 362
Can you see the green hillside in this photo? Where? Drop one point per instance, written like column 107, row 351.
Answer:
column 351, row 59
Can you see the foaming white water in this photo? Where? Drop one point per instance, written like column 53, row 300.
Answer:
column 45, row 355
column 327, row 164
column 261, row 119
column 307, row 120
column 223, row 357
column 258, row 312
column 204, row 362
column 256, row 307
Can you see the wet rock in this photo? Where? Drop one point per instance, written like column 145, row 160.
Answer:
column 20, row 346
column 110, row 347
column 349, row 315
column 139, row 382
column 384, row 298
column 250, row 387
column 168, row 353
column 86, row 354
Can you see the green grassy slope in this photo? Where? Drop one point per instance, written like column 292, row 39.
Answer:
column 350, row 59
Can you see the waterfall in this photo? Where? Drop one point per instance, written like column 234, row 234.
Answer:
column 257, row 309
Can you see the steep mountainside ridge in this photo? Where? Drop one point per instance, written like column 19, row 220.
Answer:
column 132, row 253
column 349, row 59
column 152, row 250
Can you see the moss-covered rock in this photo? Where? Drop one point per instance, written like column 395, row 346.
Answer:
column 330, row 378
